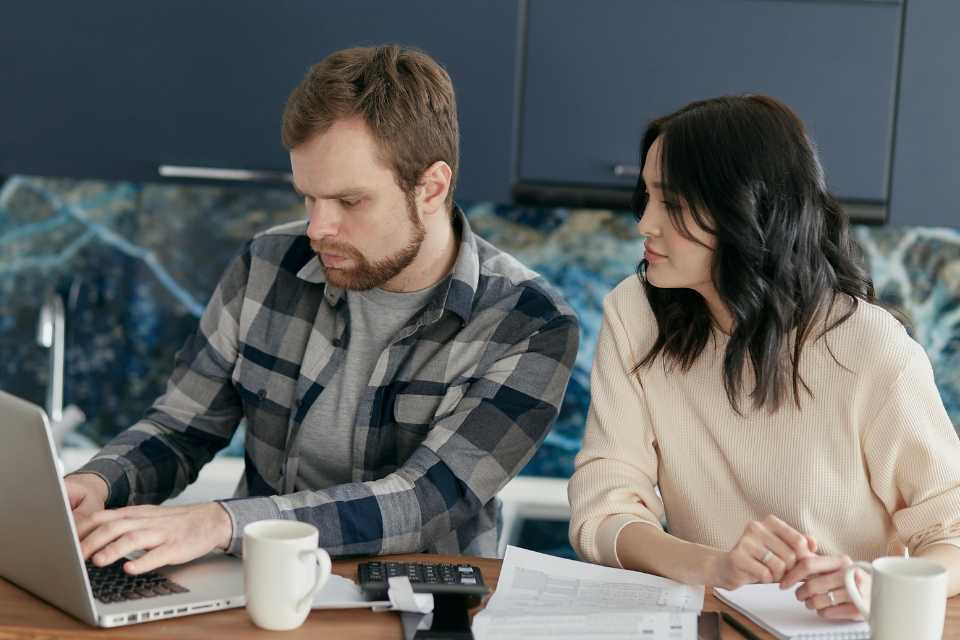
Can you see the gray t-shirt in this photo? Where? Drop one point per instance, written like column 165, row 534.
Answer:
column 376, row 316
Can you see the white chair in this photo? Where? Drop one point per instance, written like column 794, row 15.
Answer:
column 531, row 498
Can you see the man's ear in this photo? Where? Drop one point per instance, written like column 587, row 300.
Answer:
column 433, row 187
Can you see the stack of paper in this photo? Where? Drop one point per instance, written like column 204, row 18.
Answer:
column 544, row 596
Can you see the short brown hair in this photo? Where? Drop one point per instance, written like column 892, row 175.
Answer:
column 403, row 95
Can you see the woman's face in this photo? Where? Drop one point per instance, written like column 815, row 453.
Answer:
column 674, row 261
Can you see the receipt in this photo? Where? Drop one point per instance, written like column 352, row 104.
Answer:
column 343, row 593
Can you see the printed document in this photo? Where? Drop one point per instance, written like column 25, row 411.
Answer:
column 544, row 596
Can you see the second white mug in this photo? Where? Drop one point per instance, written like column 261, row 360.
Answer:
column 908, row 598
column 282, row 570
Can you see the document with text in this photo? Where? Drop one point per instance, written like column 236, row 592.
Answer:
column 540, row 595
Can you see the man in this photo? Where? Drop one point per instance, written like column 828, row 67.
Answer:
column 394, row 370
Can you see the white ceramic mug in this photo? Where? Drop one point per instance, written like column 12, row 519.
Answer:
column 908, row 598
column 282, row 570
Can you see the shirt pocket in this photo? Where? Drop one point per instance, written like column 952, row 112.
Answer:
column 267, row 398
column 415, row 413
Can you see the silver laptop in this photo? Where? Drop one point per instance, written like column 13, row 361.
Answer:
column 39, row 550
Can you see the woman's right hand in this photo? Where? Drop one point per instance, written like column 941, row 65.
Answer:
column 766, row 551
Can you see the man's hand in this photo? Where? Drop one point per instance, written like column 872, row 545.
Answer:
column 87, row 493
column 169, row 535
column 824, row 590
column 765, row 552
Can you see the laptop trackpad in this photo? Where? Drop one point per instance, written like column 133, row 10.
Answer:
column 215, row 574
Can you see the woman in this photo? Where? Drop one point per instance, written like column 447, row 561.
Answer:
column 788, row 421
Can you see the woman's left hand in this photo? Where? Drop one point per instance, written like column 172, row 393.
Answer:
column 823, row 589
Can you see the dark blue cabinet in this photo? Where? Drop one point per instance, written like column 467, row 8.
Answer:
column 926, row 165
column 594, row 78
column 113, row 89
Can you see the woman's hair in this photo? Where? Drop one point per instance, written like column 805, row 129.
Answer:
column 749, row 175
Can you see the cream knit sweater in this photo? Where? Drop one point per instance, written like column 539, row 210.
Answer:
column 872, row 458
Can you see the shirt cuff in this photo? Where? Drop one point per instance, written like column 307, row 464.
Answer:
column 948, row 533
column 115, row 475
column 243, row 511
column 954, row 542
column 608, row 533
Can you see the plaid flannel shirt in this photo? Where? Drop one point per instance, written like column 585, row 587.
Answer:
column 457, row 404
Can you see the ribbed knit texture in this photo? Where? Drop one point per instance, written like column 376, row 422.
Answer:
column 870, row 459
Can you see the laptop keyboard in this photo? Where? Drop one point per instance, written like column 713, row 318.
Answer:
column 111, row 584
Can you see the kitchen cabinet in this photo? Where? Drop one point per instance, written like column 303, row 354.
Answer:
column 595, row 78
column 115, row 89
column 925, row 165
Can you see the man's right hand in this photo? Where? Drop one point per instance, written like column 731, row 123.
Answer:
column 87, row 493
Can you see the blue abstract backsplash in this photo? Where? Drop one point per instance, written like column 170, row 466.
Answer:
column 135, row 264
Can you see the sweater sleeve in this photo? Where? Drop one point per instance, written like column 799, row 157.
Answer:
column 913, row 456
column 615, row 477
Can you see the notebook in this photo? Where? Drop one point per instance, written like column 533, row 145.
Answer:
column 779, row 612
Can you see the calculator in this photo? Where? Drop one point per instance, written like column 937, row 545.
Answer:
column 425, row 577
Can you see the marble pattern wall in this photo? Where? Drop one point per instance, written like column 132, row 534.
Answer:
column 135, row 264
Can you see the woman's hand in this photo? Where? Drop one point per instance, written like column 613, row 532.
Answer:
column 823, row 589
column 766, row 552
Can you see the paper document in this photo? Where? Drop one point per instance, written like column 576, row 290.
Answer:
column 540, row 595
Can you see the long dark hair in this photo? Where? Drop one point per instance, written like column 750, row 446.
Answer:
column 750, row 176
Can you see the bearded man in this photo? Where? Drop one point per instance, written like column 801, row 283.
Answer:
column 394, row 370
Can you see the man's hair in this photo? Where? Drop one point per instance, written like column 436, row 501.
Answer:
column 403, row 95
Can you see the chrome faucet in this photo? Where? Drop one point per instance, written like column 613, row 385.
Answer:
column 50, row 334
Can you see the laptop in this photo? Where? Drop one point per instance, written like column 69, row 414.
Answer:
column 39, row 550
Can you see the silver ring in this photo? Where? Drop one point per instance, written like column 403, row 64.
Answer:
column 833, row 601
column 766, row 557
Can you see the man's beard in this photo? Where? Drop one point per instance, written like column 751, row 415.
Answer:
column 364, row 275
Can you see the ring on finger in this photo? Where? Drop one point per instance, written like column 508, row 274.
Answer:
column 767, row 556
column 831, row 598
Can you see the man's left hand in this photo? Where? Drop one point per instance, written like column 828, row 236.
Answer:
column 168, row 535
column 823, row 589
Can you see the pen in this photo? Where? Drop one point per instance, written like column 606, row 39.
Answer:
column 736, row 624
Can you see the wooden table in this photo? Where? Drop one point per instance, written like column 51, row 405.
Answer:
column 24, row 617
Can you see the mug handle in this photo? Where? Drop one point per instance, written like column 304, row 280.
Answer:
column 322, row 558
column 851, row 584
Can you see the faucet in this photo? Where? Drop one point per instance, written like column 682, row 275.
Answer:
column 51, row 335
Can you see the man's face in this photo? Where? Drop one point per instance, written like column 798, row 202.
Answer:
column 363, row 227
